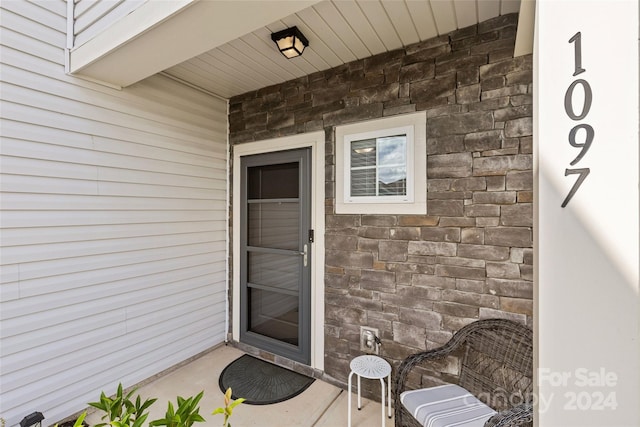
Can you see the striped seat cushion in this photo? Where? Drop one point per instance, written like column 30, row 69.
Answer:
column 446, row 406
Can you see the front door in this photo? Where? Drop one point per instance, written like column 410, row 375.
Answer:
column 275, row 258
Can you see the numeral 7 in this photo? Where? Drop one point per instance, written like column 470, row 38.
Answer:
column 582, row 172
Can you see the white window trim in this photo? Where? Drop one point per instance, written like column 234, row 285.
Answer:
column 415, row 202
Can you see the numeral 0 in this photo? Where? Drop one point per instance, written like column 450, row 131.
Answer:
column 568, row 97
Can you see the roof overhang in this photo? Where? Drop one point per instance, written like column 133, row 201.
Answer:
column 161, row 34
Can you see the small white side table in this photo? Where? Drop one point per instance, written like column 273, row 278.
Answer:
column 374, row 368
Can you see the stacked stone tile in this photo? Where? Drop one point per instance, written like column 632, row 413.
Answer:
column 420, row 278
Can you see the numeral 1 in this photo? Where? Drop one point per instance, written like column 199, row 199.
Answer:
column 577, row 38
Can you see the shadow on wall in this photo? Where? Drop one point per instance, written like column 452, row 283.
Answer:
column 588, row 314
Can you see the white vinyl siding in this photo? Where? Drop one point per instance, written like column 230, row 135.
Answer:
column 91, row 16
column 113, row 224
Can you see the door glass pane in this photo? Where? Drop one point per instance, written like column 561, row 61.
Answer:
column 273, row 181
column 274, row 315
column 274, row 225
column 274, row 270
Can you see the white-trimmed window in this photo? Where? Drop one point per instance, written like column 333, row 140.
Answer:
column 381, row 166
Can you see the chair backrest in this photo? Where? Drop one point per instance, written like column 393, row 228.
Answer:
column 497, row 364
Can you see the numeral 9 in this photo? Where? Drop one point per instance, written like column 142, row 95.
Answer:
column 590, row 133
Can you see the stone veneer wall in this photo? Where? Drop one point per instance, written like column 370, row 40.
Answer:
column 420, row 278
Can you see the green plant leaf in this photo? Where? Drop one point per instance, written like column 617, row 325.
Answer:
column 80, row 420
column 237, row 402
column 139, row 421
column 121, row 410
column 128, row 396
column 227, row 409
column 140, row 408
column 103, row 404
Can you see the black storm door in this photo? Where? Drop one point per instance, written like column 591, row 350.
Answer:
column 275, row 276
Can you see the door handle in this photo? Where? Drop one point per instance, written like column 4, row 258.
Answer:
column 304, row 254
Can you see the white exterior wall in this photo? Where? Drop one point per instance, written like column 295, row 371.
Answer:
column 113, row 222
column 587, row 253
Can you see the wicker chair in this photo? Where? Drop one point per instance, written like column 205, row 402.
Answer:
column 495, row 364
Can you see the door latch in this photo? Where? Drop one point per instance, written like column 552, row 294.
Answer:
column 304, row 254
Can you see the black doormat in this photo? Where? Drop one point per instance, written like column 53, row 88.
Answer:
column 260, row 382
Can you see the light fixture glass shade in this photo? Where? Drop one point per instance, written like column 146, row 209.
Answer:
column 291, row 42
column 298, row 45
column 285, row 43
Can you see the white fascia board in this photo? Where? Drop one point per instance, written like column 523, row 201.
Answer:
column 161, row 34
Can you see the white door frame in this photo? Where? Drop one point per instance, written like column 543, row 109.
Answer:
column 315, row 141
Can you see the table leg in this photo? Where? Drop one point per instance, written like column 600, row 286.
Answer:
column 349, row 400
column 359, row 397
column 382, row 399
column 389, row 394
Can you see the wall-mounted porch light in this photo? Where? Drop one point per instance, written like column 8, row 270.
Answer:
column 291, row 42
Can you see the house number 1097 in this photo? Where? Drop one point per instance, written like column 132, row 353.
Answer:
column 589, row 133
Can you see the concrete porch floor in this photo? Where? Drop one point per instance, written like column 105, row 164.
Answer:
column 321, row 405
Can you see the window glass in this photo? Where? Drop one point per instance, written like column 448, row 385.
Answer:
column 363, row 168
column 392, row 169
column 379, row 166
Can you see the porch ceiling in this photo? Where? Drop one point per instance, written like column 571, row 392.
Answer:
column 339, row 31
